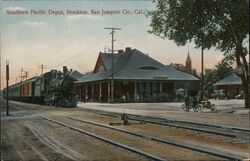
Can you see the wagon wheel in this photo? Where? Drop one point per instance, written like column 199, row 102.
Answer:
column 183, row 107
column 213, row 108
column 200, row 108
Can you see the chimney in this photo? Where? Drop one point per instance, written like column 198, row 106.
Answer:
column 128, row 49
column 120, row 51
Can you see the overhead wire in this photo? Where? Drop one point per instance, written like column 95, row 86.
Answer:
column 94, row 43
column 132, row 20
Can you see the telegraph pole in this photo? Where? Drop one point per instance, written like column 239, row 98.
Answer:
column 42, row 67
column 7, row 87
column 112, row 64
column 0, row 61
column 21, row 74
column 25, row 75
column 248, row 80
column 202, row 74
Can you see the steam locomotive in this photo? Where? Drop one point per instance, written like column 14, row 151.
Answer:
column 54, row 88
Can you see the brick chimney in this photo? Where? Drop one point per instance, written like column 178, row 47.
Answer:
column 128, row 49
column 120, row 51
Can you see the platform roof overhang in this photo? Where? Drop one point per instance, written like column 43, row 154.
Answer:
column 135, row 66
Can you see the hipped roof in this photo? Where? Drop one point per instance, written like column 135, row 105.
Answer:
column 232, row 79
column 135, row 65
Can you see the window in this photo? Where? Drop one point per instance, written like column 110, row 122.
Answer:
column 101, row 68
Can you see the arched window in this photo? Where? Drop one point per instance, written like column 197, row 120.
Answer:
column 101, row 68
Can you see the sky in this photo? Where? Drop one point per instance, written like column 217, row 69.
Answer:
column 75, row 40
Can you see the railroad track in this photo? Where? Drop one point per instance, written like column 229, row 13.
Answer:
column 225, row 131
column 196, row 123
column 165, row 141
column 125, row 147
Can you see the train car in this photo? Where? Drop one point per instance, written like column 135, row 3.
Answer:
column 14, row 92
column 52, row 88
column 27, row 90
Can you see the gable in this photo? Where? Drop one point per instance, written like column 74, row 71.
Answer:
column 99, row 66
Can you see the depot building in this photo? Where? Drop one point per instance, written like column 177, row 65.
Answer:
column 136, row 78
column 231, row 86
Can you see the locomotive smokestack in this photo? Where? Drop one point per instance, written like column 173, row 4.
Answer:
column 65, row 70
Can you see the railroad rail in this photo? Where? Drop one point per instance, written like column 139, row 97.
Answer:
column 181, row 124
column 165, row 141
column 195, row 123
column 131, row 149
column 184, row 127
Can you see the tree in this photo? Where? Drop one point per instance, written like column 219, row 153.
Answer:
column 223, row 24
column 222, row 69
column 194, row 73
column 209, row 80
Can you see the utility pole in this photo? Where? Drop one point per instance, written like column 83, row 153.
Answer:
column 112, row 64
column 7, row 87
column 42, row 67
column 105, row 49
column 0, row 60
column 25, row 75
column 21, row 74
column 202, row 74
column 248, row 80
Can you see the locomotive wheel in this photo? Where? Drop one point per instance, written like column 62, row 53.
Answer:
column 213, row 108
column 200, row 108
column 195, row 109
column 183, row 107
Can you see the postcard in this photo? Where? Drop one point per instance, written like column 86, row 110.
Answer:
column 124, row 80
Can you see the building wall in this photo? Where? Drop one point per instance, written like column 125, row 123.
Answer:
column 124, row 88
column 104, row 92
column 154, row 91
column 96, row 92
column 78, row 91
column 230, row 91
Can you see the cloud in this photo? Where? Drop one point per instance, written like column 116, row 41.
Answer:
column 33, row 23
column 16, row 8
column 77, row 17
